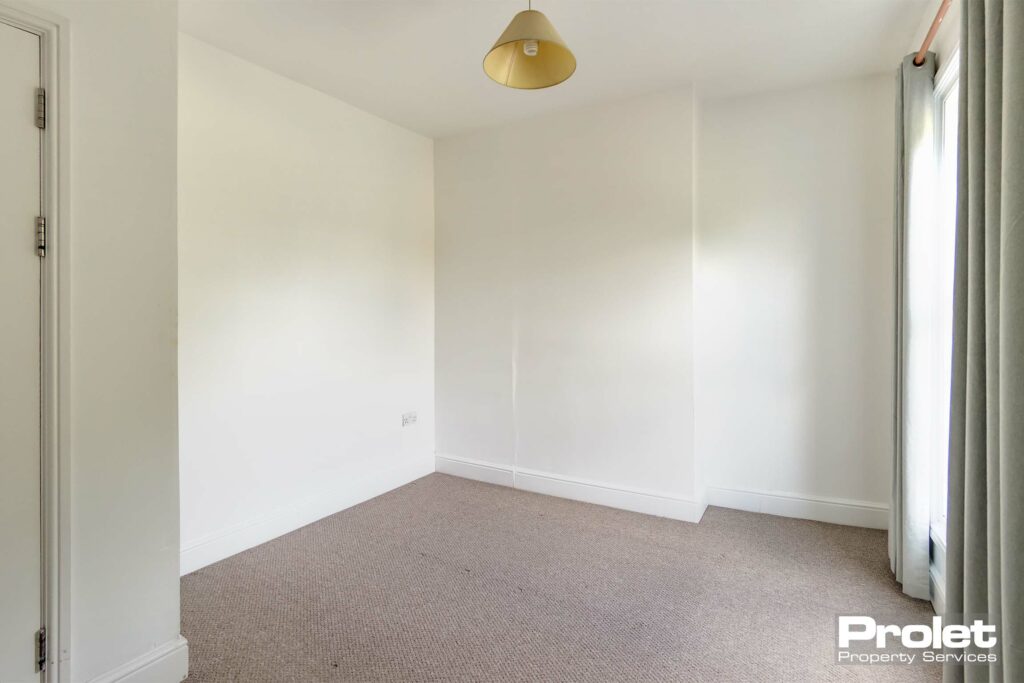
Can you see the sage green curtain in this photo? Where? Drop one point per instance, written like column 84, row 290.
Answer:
column 985, row 534
column 909, row 512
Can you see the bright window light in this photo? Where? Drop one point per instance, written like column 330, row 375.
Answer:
column 946, row 124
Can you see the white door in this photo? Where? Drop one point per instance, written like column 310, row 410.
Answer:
column 20, row 533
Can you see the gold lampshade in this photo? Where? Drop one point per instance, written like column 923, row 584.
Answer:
column 529, row 54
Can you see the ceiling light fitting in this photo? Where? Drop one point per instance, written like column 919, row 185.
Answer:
column 530, row 54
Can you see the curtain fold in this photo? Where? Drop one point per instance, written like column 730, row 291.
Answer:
column 985, row 533
column 909, row 512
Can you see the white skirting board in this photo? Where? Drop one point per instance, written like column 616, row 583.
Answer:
column 165, row 664
column 502, row 475
column 216, row 547
column 832, row 510
column 599, row 493
column 937, row 573
column 938, row 588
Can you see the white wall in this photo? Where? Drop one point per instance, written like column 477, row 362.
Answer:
column 306, row 296
column 121, row 404
column 794, row 298
column 564, row 299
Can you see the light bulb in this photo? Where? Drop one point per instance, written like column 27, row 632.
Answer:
column 530, row 48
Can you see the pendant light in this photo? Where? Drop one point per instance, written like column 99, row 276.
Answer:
column 529, row 54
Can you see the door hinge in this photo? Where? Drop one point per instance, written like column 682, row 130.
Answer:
column 40, row 235
column 41, row 649
column 40, row 108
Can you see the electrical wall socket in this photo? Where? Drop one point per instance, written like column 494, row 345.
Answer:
column 408, row 419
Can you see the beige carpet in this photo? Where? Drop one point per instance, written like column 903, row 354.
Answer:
column 452, row 580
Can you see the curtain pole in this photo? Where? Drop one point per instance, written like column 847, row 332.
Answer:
column 936, row 22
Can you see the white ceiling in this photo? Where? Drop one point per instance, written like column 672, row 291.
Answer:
column 418, row 62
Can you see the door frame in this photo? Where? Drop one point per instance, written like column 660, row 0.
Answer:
column 55, row 467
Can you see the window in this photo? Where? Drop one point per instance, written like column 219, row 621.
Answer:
column 946, row 124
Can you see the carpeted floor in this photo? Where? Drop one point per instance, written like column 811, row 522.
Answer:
column 452, row 580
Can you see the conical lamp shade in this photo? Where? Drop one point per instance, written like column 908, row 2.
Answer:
column 509, row 64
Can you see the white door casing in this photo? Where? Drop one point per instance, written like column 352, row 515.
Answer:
column 21, row 603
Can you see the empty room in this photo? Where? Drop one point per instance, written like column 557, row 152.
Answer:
column 511, row 340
